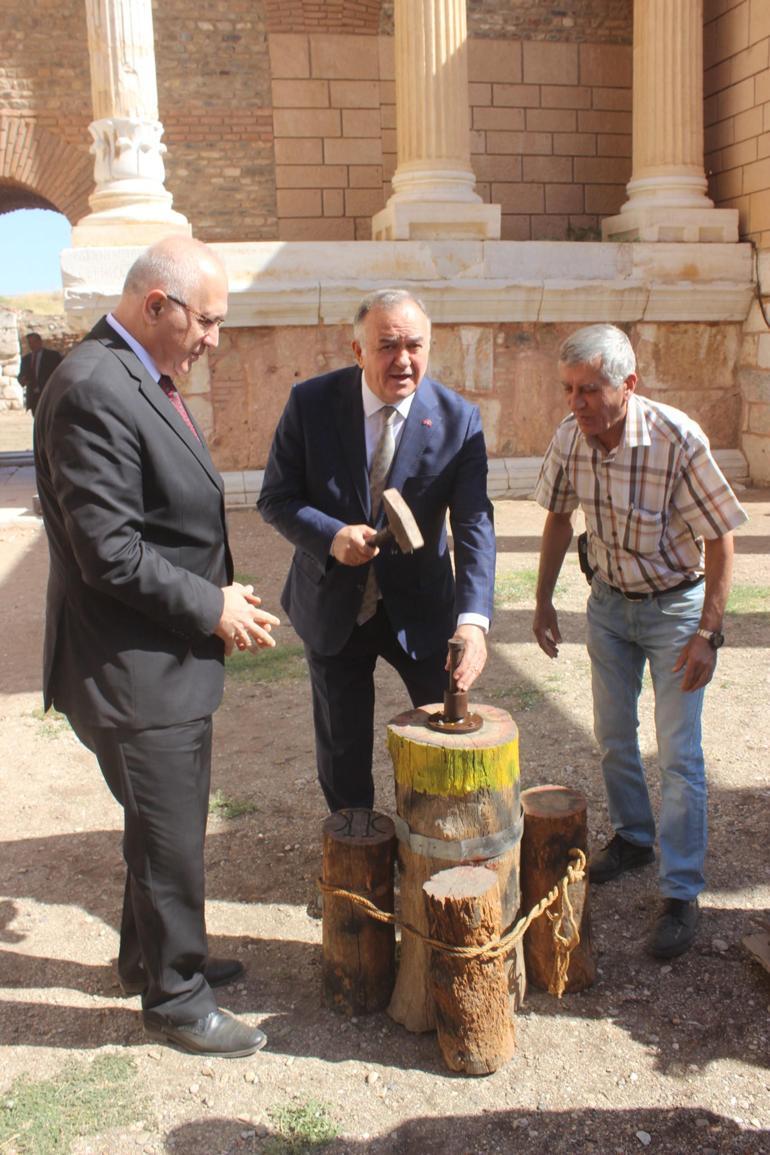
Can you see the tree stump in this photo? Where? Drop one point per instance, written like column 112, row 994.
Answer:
column 473, row 1019
column 458, row 802
column 555, row 820
column 359, row 952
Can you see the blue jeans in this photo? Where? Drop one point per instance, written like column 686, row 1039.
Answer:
column 621, row 636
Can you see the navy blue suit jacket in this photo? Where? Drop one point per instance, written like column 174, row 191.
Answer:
column 316, row 482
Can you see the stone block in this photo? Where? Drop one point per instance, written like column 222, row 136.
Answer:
column 516, row 95
column 534, row 143
column 565, row 96
column 610, row 145
column 365, row 176
column 363, row 202
column 756, row 176
column 498, row 119
column 333, row 202
column 300, row 94
column 554, row 169
column 564, row 198
column 345, row 57
column 497, row 168
column 602, row 170
column 299, row 202
column 757, row 452
column 297, row 151
column 759, row 420
column 519, row 197
column 361, row 122
column 462, row 356
column 355, row 93
column 614, row 99
column 674, row 355
column 737, row 98
column 542, row 60
column 606, row 65
column 353, row 151
column 549, row 226
column 289, row 56
column 751, row 62
column 306, row 122
column 551, row 120
column 311, row 176
column 496, row 61
column 574, row 143
column 748, row 124
column 603, row 120
column 326, row 229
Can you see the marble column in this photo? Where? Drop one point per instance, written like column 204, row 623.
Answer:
column 433, row 186
column 130, row 204
column 667, row 198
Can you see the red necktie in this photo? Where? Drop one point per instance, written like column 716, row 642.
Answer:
column 171, row 391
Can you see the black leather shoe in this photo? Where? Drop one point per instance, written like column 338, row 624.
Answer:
column 218, row 972
column 218, row 1034
column 618, row 856
column 675, row 927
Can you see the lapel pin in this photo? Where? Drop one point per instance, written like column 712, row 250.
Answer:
column 427, row 421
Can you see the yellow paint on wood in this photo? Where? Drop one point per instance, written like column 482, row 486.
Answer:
column 453, row 772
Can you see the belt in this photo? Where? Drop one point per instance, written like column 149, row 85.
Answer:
column 688, row 584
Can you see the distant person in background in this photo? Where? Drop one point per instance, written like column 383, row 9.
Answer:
column 36, row 367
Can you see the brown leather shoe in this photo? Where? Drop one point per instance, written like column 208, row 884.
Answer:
column 218, row 972
column 219, row 1033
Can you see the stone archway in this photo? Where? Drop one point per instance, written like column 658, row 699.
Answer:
column 38, row 169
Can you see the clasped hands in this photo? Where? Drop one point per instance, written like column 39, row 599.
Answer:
column 243, row 625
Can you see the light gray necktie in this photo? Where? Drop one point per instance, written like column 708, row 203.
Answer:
column 382, row 459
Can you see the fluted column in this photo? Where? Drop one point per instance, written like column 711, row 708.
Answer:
column 433, row 186
column 667, row 198
column 130, row 204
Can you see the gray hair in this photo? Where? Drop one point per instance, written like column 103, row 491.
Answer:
column 384, row 299
column 605, row 347
column 175, row 265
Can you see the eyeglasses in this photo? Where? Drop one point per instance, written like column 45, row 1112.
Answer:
column 205, row 322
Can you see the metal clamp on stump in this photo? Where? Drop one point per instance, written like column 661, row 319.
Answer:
column 455, row 718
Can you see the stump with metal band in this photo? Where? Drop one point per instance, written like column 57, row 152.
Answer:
column 555, row 822
column 358, row 952
column 458, row 803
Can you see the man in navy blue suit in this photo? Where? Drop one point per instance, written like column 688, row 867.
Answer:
column 350, row 603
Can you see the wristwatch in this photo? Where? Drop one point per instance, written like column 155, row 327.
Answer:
column 714, row 638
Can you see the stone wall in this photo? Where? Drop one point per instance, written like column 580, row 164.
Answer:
column 509, row 371
column 737, row 110
column 550, row 133
column 11, row 393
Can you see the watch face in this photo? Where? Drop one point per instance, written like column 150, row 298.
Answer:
column 717, row 640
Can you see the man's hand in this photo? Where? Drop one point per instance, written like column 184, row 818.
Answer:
column 243, row 624
column 545, row 626
column 349, row 545
column 698, row 660
column 474, row 655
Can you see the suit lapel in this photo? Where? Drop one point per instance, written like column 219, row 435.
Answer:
column 418, row 429
column 349, row 418
column 152, row 393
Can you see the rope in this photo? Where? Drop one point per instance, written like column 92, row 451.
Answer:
column 565, row 940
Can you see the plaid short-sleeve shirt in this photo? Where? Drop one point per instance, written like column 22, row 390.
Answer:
column 648, row 503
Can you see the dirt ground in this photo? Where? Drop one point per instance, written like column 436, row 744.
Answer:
column 669, row 1057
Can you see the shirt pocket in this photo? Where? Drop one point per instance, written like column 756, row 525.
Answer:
column 643, row 531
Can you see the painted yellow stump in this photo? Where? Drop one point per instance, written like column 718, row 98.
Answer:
column 458, row 803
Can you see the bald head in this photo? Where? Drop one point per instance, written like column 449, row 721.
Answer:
column 173, row 302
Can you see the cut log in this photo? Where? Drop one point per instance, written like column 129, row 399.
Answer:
column 473, row 1020
column 458, row 802
column 555, row 820
column 358, row 951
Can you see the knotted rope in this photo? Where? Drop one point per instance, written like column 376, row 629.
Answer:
column 565, row 932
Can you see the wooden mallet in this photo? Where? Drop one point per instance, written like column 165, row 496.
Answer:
column 401, row 527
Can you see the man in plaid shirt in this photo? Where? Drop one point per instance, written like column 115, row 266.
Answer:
column 659, row 519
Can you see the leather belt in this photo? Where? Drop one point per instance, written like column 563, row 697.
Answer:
column 688, row 584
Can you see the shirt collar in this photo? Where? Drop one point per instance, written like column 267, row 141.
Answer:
column 372, row 403
column 134, row 345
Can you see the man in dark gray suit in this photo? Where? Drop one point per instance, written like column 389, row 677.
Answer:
column 141, row 610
